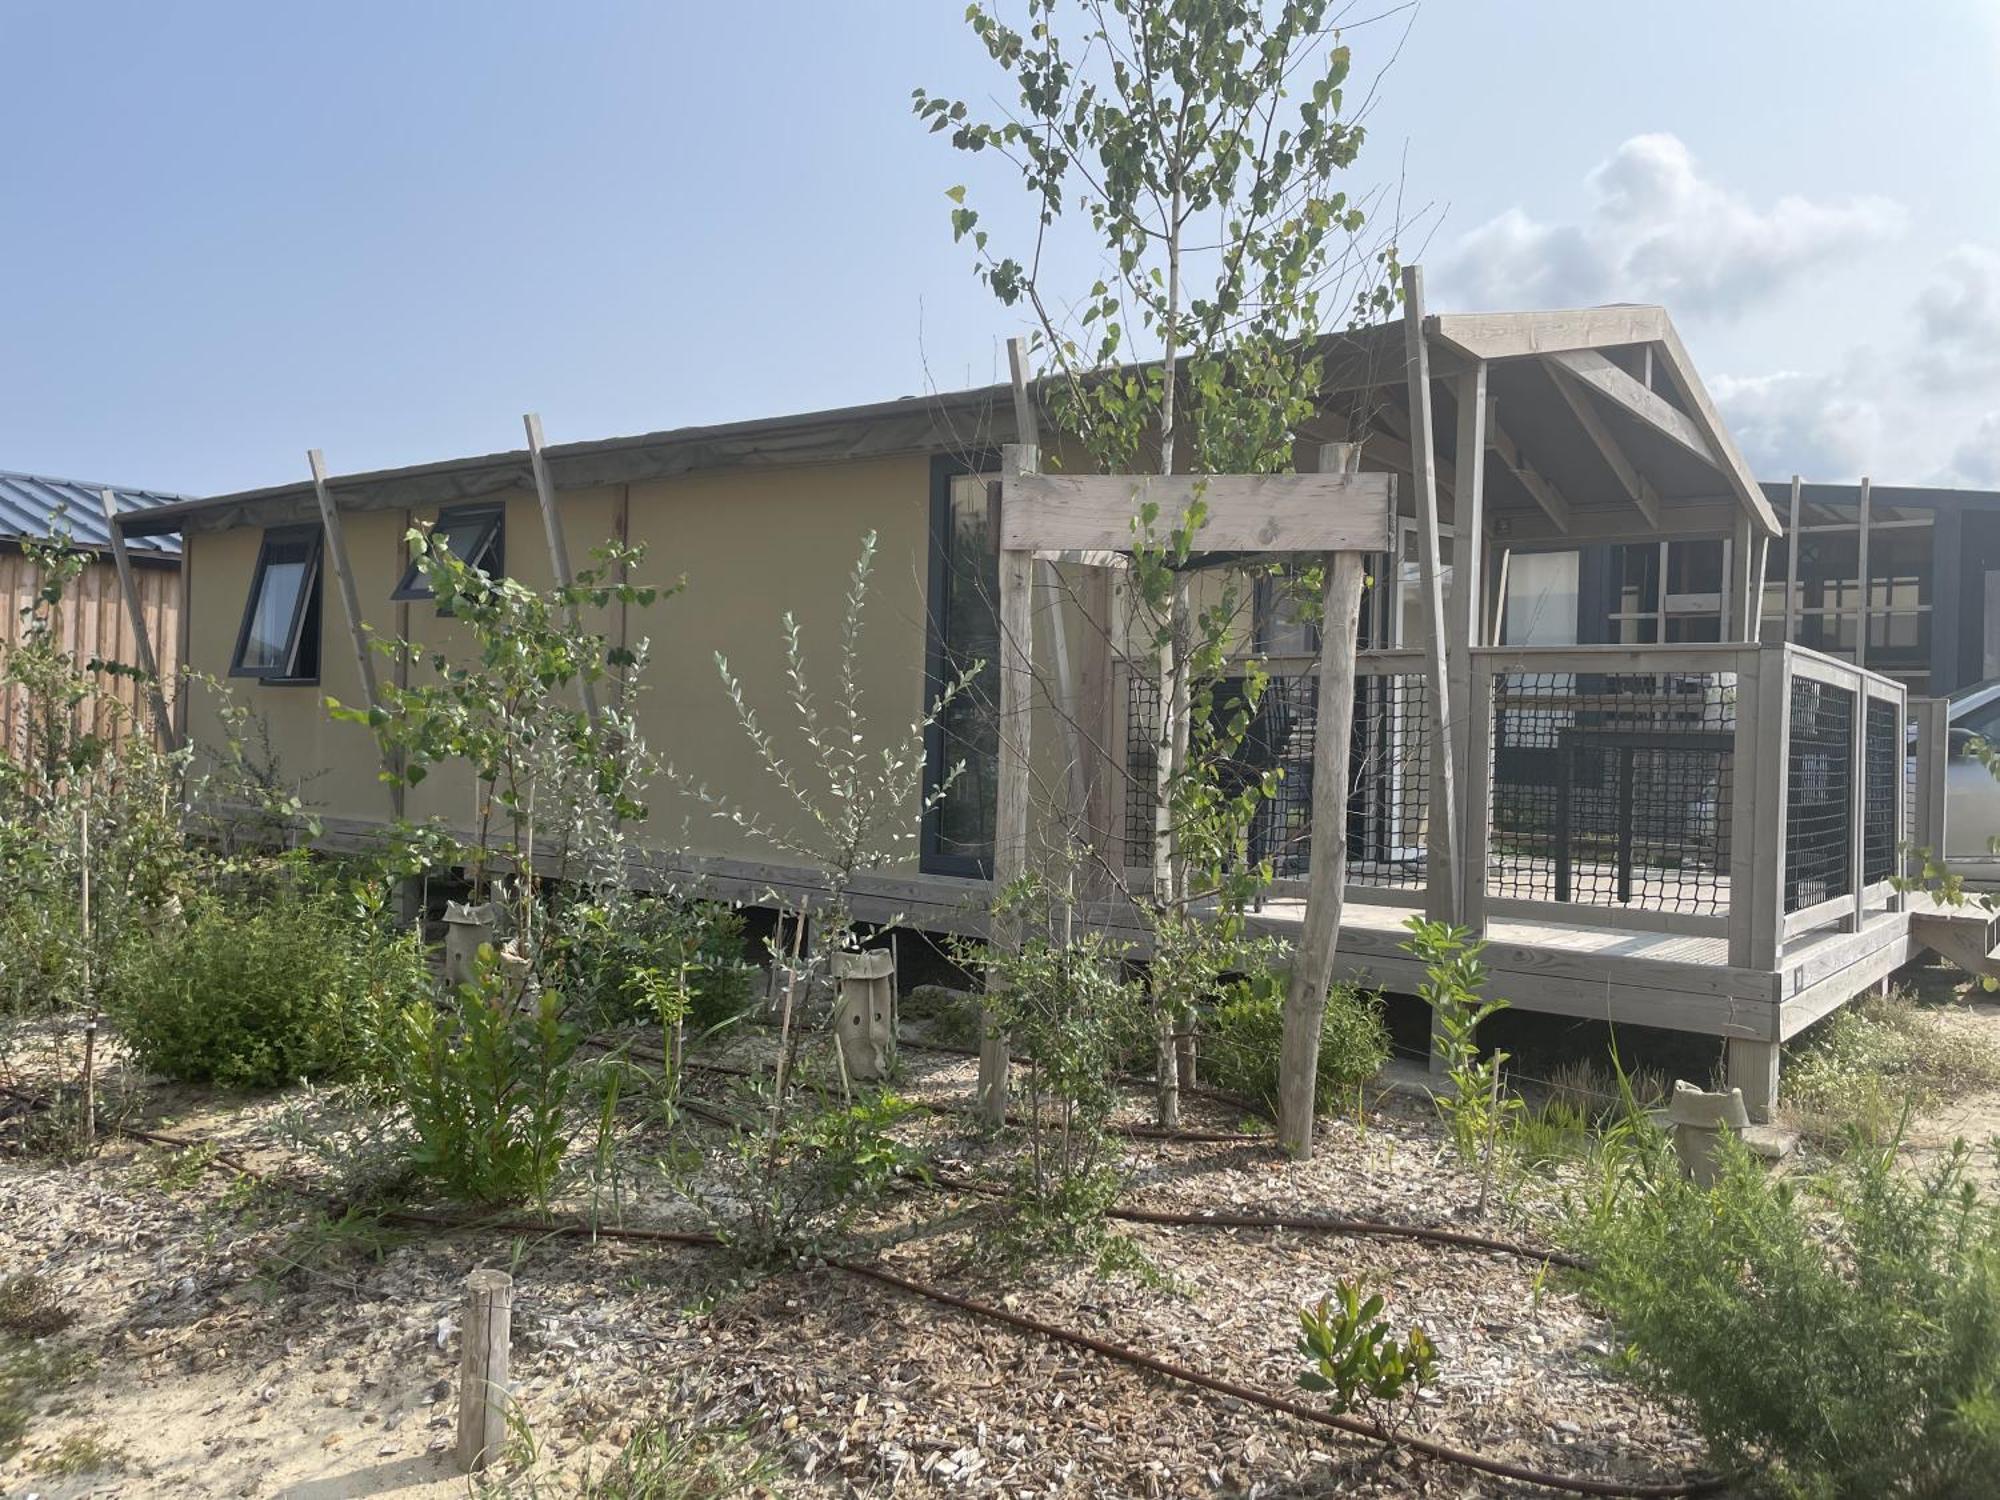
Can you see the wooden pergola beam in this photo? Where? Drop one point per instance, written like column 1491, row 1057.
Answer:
column 1604, row 377
column 1638, row 488
column 1509, row 335
column 1558, row 509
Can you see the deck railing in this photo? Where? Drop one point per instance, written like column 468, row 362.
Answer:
column 1747, row 792
column 1389, row 798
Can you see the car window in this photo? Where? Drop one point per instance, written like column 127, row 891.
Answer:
column 1983, row 721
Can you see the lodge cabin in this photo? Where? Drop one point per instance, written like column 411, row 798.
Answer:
column 1697, row 831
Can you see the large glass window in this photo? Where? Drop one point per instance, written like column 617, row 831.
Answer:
column 279, row 638
column 964, row 637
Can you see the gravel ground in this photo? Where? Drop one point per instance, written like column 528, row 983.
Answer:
column 222, row 1367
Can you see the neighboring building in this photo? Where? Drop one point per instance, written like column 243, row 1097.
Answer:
column 36, row 508
column 1933, row 601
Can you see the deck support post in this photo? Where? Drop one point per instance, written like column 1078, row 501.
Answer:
column 1442, row 898
column 1010, row 815
column 1792, row 565
column 1753, row 1068
column 163, row 718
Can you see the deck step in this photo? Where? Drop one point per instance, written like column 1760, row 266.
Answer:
column 1968, row 937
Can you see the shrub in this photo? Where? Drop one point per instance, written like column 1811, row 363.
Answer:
column 1837, row 1336
column 294, row 984
column 1355, row 1361
column 614, row 958
column 1243, row 1044
column 487, row 1084
column 1870, row 1059
column 783, row 1189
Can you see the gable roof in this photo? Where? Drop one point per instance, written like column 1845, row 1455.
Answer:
column 32, row 506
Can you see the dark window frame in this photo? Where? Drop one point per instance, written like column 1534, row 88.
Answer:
column 488, row 554
column 305, row 609
column 931, row 858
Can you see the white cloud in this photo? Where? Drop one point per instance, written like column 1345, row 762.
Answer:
column 1658, row 230
column 1977, row 460
column 1827, row 426
column 1958, row 321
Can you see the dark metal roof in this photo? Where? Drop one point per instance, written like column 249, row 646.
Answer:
column 32, row 506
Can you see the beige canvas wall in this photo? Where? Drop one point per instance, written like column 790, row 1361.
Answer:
column 750, row 544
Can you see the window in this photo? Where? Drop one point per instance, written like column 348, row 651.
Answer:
column 1669, row 591
column 964, row 628
column 279, row 639
column 1541, row 599
column 474, row 533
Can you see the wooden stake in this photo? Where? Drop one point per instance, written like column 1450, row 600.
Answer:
column 484, row 1334
column 350, row 603
column 1312, row 962
column 135, row 611
column 545, row 493
column 1444, row 841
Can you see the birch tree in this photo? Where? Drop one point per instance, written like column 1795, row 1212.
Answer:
column 1196, row 150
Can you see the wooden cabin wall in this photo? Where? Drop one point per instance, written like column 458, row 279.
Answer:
column 95, row 626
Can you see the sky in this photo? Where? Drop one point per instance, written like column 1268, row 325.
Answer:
column 230, row 232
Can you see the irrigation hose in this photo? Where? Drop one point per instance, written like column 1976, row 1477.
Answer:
column 1574, row 1483
column 1055, row 1333
column 1307, row 1224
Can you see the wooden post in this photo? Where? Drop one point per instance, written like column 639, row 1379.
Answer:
column 135, row 611
column 1010, row 814
column 1792, row 567
column 1857, row 809
column 1467, row 619
column 1443, row 841
column 1319, row 932
column 1069, row 706
column 1742, row 552
column 558, row 549
column 1758, row 569
column 485, row 1330
column 1753, row 715
column 350, row 603
column 1932, row 716
column 1861, row 577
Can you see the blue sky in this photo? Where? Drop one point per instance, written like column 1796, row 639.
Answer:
column 230, row 232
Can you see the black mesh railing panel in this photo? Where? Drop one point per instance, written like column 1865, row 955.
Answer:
column 1613, row 790
column 1142, row 759
column 1389, row 789
column 1819, row 809
column 1882, row 728
column 1389, row 774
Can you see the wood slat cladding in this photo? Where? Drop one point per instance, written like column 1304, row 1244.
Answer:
column 95, row 626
